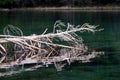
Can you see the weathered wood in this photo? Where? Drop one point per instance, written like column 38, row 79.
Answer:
column 42, row 50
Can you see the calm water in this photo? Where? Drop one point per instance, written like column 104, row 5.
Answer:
column 107, row 41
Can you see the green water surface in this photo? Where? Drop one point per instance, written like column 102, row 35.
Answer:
column 105, row 68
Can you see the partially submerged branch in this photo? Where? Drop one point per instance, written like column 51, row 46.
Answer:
column 42, row 49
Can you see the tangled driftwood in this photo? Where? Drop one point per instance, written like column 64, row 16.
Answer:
column 45, row 49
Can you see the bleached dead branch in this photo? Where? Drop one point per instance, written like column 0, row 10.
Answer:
column 43, row 49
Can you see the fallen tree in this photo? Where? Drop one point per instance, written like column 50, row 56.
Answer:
column 45, row 49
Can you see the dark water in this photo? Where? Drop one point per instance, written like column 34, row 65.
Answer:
column 106, row 68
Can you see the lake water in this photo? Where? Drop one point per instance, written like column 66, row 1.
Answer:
column 108, row 40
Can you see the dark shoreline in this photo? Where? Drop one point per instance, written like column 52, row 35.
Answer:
column 111, row 9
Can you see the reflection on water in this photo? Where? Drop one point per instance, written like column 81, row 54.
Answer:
column 107, row 40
